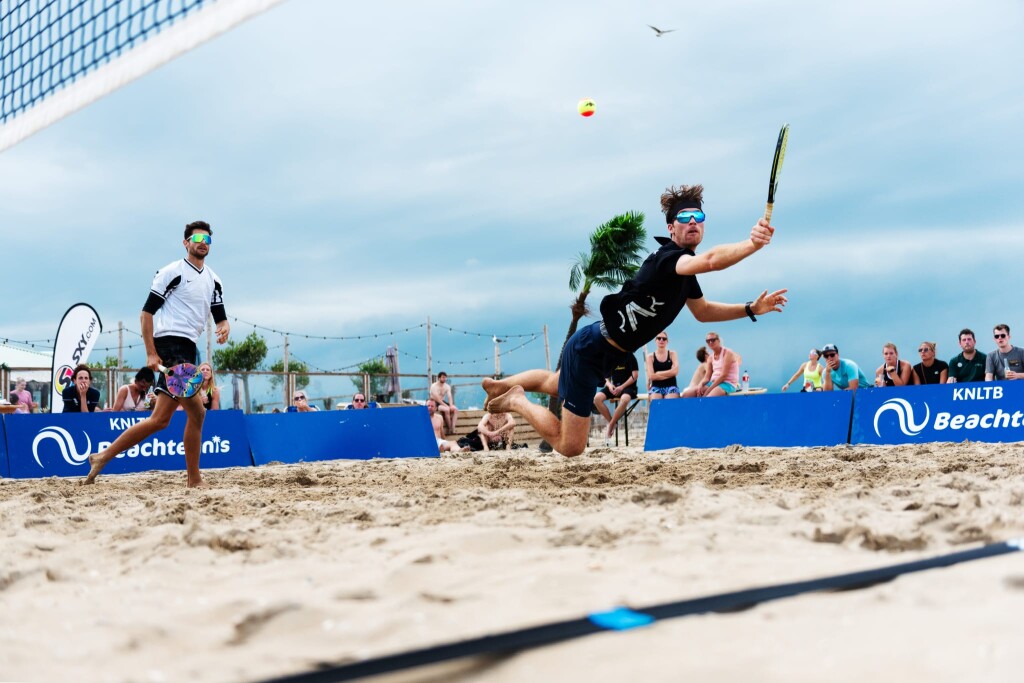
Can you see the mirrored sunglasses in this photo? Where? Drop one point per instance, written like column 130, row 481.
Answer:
column 200, row 238
column 685, row 216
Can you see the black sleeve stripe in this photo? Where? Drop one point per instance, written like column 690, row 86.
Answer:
column 218, row 313
column 171, row 285
column 153, row 303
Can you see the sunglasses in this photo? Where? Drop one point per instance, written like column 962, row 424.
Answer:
column 999, row 336
column 923, row 349
column 298, row 398
column 686, row 216
column 359, row 400
column 830, row 354
column 199, row 238
column 661, row 338
column 712, row 340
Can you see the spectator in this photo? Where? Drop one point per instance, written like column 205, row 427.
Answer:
column 811, row 370
column 24, row 397
column 721, row 371
column 700, row 370
column 930, row 370
column 841, row 373
column 969, row 364
column 495, row 430
column 442, row 394
column 15, row 400
column 437, row 422
column 893, row 372
column 209, row 389
column 621, row 384
column 134, row 396
column 662, row 370
column 1007, row 361
column 81, row 397
column 359, row 402
column 300, row 403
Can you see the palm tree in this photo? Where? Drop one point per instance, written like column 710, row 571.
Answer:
column 616, row 250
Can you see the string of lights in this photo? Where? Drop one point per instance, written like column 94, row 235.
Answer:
column 467, row 362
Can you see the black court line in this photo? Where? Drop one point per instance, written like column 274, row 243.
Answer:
column 622, row 619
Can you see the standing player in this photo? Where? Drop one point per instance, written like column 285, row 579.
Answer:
column 183, row 295
column 645, row 306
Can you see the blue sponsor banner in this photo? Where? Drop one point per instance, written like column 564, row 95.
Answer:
column 978, row 411
column 59, row 444
column 337, row 434
column 820, row 418
column 5, row 470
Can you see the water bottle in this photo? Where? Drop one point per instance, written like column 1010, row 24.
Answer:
column 745, row 381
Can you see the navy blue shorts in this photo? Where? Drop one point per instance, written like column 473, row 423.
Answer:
column 586, row 360
column 173, row 351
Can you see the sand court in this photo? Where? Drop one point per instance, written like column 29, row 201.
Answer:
column 283, row 568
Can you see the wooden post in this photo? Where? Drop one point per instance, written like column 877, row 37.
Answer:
column 547, row 350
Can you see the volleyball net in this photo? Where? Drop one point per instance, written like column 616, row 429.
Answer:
column 58, row 56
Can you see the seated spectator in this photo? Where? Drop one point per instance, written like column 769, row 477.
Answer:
column 81, row 397
column 1007, row 361
column 620, row 384
column 437, row 422
column 359, row 402
column 969, row 364
column 700, row 371
column 495, row 430
column 930, row 370
column 15, row 400
column 841, row 373
column 442, row 394
column 24, row 397
column 300, row 403
column 134, row 396
column 811, row 370
column 662, row 370
column 209, row 389
column 893, row 372
column 721, row 371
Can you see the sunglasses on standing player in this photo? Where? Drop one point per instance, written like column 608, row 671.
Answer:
column 685, row 216
column 200, row 238
column 1001, row 335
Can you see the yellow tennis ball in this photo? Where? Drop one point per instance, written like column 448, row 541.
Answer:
column 587, row 107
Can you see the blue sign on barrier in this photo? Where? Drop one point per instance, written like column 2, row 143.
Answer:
column 978, row 411
column 820, row 418
column 337, row 434
column 5, row 469
column 59, row 444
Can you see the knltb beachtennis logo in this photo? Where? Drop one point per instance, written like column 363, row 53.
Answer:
column 961, row 417
column 904, row 416
column 65, row 444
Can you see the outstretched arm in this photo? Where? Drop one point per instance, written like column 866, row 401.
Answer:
column 725, row 255
column 712, row 311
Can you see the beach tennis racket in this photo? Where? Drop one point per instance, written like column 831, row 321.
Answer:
column 773, row 182
column 183, row 380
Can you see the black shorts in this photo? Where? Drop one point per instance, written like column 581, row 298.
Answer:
column 173, row 351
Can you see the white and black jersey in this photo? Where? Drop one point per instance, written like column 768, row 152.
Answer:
column 182, row 297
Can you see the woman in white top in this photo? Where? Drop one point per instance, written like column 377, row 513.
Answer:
column 132, row 396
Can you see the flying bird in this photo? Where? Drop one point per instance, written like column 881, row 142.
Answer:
column 658, row 32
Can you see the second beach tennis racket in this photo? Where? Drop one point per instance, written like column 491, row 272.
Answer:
column 773, row 181
column 183, row 380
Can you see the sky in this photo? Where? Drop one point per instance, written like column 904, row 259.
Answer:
column 366, row 166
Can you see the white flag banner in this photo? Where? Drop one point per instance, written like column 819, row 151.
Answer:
column 76, row 335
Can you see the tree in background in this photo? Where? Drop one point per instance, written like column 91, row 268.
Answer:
column 379, row 384
column 245, row 356
column 297, row 366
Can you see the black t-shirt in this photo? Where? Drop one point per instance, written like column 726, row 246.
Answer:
column 623, row 369
column 71, row 404
column 930, row 375
column 649, row 302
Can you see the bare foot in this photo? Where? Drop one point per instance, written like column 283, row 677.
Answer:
column 504, row 403
column 493, row 387
column 96, row 466
column 200, row 484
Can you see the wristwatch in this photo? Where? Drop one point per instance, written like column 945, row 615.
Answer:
column 750, row 311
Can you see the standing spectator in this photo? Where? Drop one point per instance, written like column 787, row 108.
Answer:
column 721, row 371
column 442, row 394
column 930, row 370
column 1007, row 361
column 359, row 403
column 662, row 370
column 495, row 430
column 893, row 372
column 27, row 405
column 841, row 373
column 81, row 397
column 969, row 364
column 209, row 389
column 300, row 403
column 620, row 384
column 811, row 370
column 132, row 397
column 437, row 422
